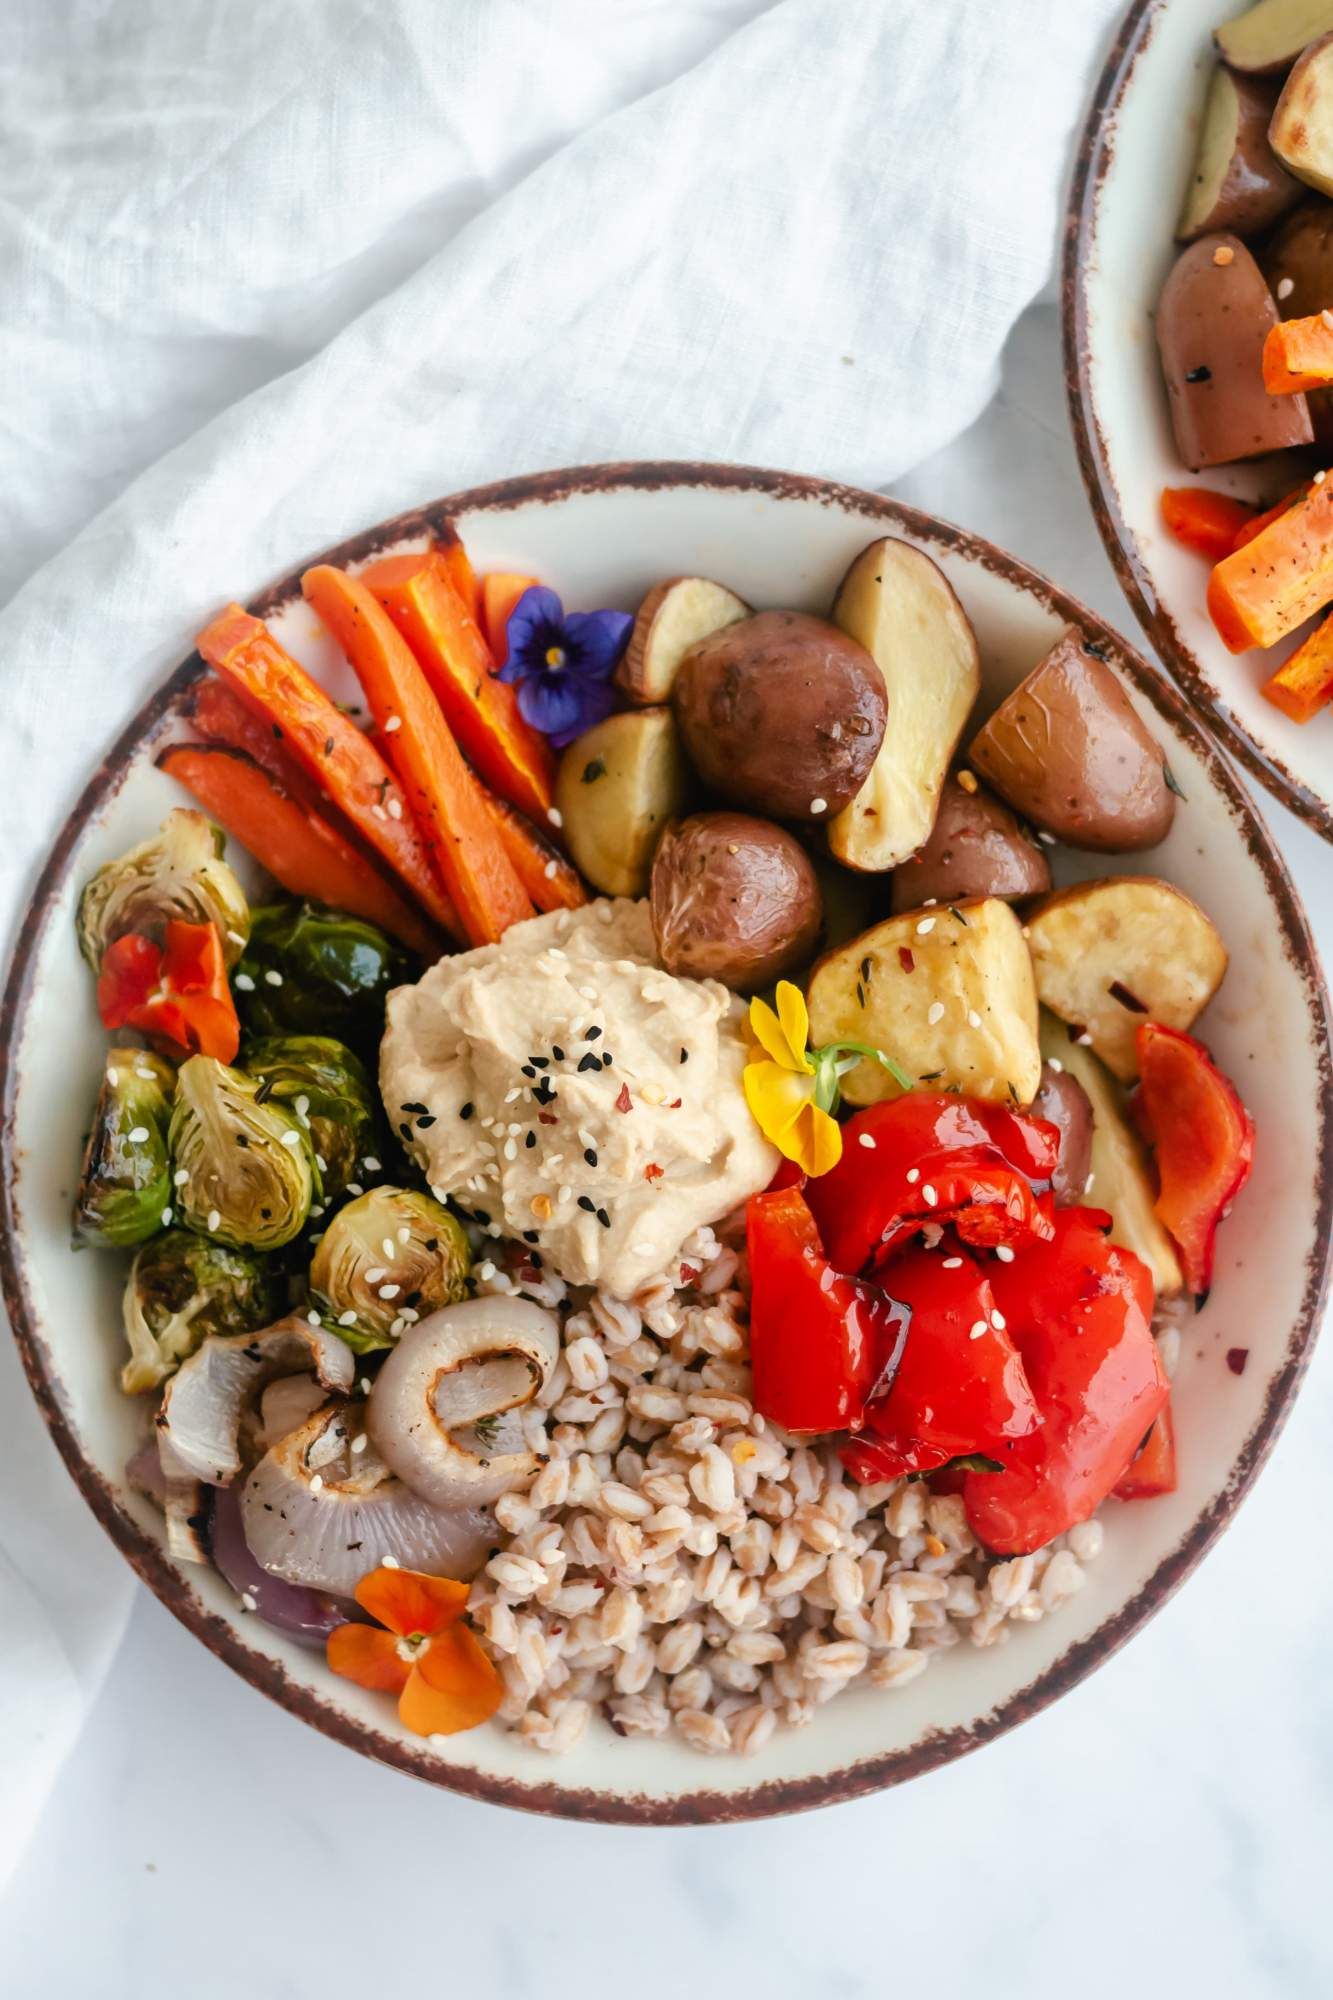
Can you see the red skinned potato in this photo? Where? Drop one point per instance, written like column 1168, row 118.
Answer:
column 1238, row 182
column 1213, row 317
column 1068, row 751
column 735, row 899
column 1297, row 261
column 976, row 848
column 674, row 616
column 1063, row 1102
column 1301, row 133
column 781, row 713
column 1271, row 34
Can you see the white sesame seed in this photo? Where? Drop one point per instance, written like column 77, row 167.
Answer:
column 926, row 924
column 1087, row 1185
column 865, row 1139
column 404, row 1234
column 371, row 1166
column 549, row 870
column 359, row 1444
column 315, row 1319
column 364, row 1385
column 355, row 1187
column 555, row 816
column 587, row 992
column 181, row 1175
column 935, row 1012
column 147, row 1074
column 564, row 1194
column 245, row 983
column 1084, row 1040
column 137, row 1134
column 395, row 809
column 1056, row 1065
column 237, row 937
column 379, row 812
column 978, row 1330
column 113, row 1076
column 390, row 1562
column 302, row 1106
column 818, row 805
column 642, row 1249
column 1004, row 1253
column 998, row 1320
column 387, row 1247
column 166, row 1218
column 486, row 1271
column 317, row 1483
column 511, row 1149
column 930, row 902
column 1285, row 287
column 214, row 1218
column 511, row 1096
column 292, row 1139
column 973, row 1018
column 249, row 1602
column 1047, row 838
column 914, row 1175
column 347, row 1319
column 392, row 722
column 321, row 1163
column 929, row 1196
column 396, row 1325
column 373, row 1277
column 389, row 1291
column 272, row 978
column 953, row 1264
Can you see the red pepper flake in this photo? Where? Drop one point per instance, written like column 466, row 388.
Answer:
column 689, row 1274
column 624, row 1102
column 546, row 1118
column 675, row 1104
column 652, row 1172
column 905, row 959
column 1236, row 1359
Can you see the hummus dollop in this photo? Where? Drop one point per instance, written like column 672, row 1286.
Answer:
column 567, row 1092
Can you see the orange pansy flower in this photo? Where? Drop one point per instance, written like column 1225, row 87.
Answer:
column 425, row 1655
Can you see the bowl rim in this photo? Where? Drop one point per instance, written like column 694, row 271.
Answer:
column 1092, row 162
column 698, row 1806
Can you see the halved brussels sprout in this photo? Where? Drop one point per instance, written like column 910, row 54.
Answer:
column 125, row 1182
column 181, row 1288
column 250, row 1173
column 178, row 873
column 384, row 1262
column 310, row 970
column 328, row 1091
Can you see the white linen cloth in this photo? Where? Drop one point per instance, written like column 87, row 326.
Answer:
column 272, row 272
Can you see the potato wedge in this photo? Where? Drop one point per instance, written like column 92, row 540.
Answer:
column 1120, row 1181
column 674, row 616
column 1068, row 751
column 1238, row 182
column 616, row 788
column 1130, row 948
column 1272, row 33
column 1301, row 133
column 948, row 993
column 903, row 610
column 1213, row 317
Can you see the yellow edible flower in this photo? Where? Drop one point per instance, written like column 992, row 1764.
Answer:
column 793, row 1090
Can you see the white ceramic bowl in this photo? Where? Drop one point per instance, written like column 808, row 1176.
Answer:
column 1129, row 181
column 601, row 536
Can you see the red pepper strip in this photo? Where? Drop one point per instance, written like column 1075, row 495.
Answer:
column 815, row 1336
column 959, row 1386
column 982, row 1202
column 1153, row 1470
column 177, row 994
column 1207, row 522
column 1080, row 1311
column 866, row 1200
column 1204, row 1141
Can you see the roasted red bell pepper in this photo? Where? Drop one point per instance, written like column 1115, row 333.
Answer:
column 934, row 1158
column 1079, row 1309
column 1203, row 1138
column 175, row 993
column 1152, row 1470
column 958, row 1386
column 815, row 1336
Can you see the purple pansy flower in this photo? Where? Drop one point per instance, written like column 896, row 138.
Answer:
column 562, row 663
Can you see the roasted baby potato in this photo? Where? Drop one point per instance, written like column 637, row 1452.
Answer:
column 1068, row 751
column 1297, row 261
column 1301, row 133
column 674, row 616
column 1063, row 1102
column 617, row 786
column 975, row 848
column 734, row 899
column 781, row 713
column 901, row 607
column 1212, row 320
column 1130, row 948
column 1238, row 182
column 1121, row 1182
column 948, row 993
column 1272, row 33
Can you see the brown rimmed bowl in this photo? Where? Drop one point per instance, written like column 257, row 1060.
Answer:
column 602, row 535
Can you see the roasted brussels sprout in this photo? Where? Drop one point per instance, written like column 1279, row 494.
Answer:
column 327, row 1089
column 178, row 873
column 310, row 970
column 384, row 1262
column 125, row 1183
column 250, row 1173
column 181, row 1288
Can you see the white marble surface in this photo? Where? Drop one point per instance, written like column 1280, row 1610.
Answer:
column 1165, row 1830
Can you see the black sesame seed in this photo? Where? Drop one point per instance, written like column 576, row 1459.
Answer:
column 603, row 1218
column 587, row 1202
column 531, row 1139
column 590, row 1061
column 590, row 1156
column 405, row 1133
column 265, row 1090
column 423, row 1124
column 414, row 1108
column 530, row 1236
column 432, row 1244
column 592, row 1035
column 481, row 1214
column 535, row 1259
column 527, row 1070
column 557, row 1053
column 540, row 1062
column 1200, row 374
column 466, row 1110
column 684, row 1055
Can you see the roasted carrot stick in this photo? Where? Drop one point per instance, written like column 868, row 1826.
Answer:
column 328, row 747
column 300, row 851
column 481, row 711
column 1258, row 522
column 1261, row 592
column 1204, row 521
column 1298, row 354
column 500, row 592
column 441, row 790
column 552, row 882
column 221, row 717
column 1304, row 682
column 458, row 568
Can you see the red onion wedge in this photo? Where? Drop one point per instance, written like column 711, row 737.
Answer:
column 322, row 1509
column 206, row 1399
column 307, row 1615
column 442, row 1409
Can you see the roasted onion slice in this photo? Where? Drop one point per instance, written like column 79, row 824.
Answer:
column 442, row 1410
column 206, row 1399
column 322, row 1509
